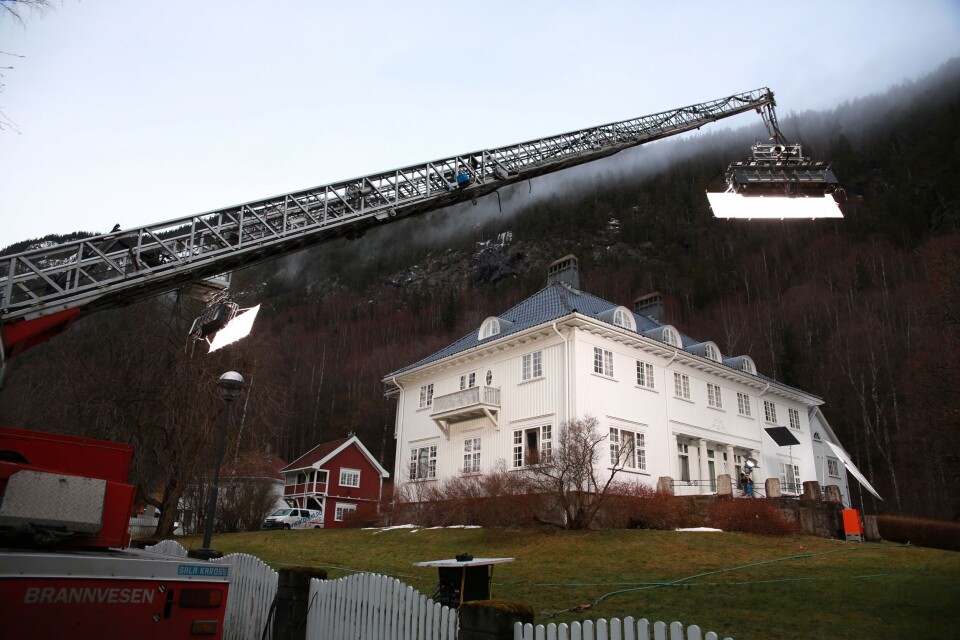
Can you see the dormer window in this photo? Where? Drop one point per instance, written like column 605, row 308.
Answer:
column 492, row 326
column 619, row 316
column 623, row 318
column 706, row 350
column 743, row 363
column 665, row 334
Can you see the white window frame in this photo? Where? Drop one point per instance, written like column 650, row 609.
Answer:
column 521, row 452
column 603, row 362
column 532, row 365
column 340, row 510
column 490, row 328
column 471, row 455
column 794, row 418
column 681, row 385
column 645, row 375
column 790, row 477
column 714, row 397
column 833, row 467
column 743, row 405
column 683, row 461
column 622, row 318
column 670, row 337
column 468, row 380
column 770, row 412
column 712, row 353
column 426, row 396
column 417, row 474
column 346, row 475
column 635, row 460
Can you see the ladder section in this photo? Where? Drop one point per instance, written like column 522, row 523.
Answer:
column 113, row 269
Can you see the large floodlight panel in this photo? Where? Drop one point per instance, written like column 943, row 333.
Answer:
column 733, row 205
column 236, row 329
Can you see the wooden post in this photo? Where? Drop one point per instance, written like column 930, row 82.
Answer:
column 292, row 603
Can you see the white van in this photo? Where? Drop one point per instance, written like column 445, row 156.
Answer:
column 293, row 518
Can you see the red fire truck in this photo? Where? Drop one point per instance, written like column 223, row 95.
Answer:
column 65, row 571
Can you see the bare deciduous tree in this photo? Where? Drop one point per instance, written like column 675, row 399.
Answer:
column 575, row 473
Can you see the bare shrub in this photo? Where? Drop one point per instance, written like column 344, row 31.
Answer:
column 752, row 516
column 638, row 506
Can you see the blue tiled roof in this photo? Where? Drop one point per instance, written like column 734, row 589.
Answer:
column 550, row 303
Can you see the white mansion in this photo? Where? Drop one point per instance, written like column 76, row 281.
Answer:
column 680, row 407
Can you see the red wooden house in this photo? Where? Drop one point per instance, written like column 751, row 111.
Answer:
column 341, row 478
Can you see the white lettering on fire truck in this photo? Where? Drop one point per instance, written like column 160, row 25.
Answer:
column 87, row 595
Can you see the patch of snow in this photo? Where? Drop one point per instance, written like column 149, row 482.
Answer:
column 708, row 529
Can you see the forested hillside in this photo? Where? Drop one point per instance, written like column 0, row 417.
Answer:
column 864, row 311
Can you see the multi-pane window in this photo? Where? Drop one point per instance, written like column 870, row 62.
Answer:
column 645, row 374
column 426, row 395
column 532, row 365
column 769, row 411
column 628, row 449
column 833, row 467
column 349, row 477
column 670, row 337
column 423, row 463
column 621, row 319
column 683, row 459
column 711, row 352
column 743, row 404
column 790, row 477
column 471, row 455
column 468, row 380
column 343, row 511
column 603, row 362
column 794, row 418
column 713, row 396
column 532, row 446
column 681, row 385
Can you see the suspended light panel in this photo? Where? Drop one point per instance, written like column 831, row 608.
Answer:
column 235, row 330
column 733, row 205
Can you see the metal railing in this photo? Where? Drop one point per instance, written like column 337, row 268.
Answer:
column 471, row 397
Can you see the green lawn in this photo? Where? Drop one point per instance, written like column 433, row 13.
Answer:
column 744, row 586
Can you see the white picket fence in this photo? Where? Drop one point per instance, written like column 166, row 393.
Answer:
column 614, row 629
column 369, row 606
column 253, row 587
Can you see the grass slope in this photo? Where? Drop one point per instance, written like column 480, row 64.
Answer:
column 739, row 585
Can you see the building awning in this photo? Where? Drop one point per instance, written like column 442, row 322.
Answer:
column 852, row 468
column 782, row 436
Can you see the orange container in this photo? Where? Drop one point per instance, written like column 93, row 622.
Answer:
column 852, row 526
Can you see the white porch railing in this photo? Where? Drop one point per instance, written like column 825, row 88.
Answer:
column 614, row 629
column 375, row 607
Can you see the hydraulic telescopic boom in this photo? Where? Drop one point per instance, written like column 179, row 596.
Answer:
column 43, row 291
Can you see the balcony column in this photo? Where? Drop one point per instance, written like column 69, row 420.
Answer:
column 732, row 463
column 704, row 470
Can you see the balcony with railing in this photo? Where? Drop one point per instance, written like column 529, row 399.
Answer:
column 466, row 404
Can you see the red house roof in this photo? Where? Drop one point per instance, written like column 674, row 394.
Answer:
column 323, row 452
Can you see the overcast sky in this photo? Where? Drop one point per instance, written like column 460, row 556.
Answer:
column 137, row 112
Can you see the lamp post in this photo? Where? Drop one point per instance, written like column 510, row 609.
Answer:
column 231, row 384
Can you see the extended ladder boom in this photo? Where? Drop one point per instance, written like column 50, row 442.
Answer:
column 58, row 283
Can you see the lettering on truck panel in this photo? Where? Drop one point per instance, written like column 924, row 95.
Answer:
column 87, row 595
column 196, row 570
